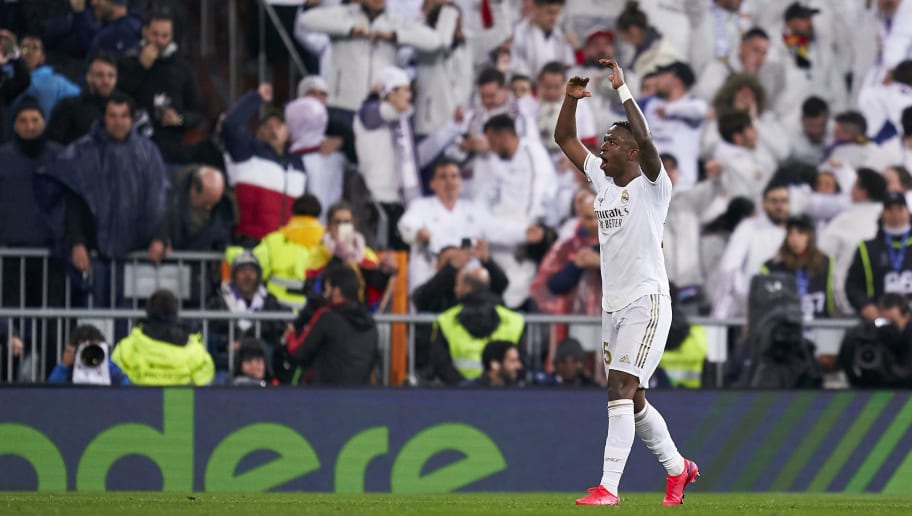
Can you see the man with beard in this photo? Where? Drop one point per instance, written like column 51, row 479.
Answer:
column 461, row 333
column 754, row 241
column 72, row 117
column 501, row 365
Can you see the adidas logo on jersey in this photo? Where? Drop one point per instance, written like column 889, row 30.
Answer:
column 624, row 359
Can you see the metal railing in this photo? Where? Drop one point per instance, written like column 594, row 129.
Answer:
column 190, row 275
column 48, row 328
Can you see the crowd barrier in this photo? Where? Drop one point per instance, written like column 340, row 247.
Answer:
column 441, row 440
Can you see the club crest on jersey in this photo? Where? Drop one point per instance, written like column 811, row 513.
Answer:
column 625, row 197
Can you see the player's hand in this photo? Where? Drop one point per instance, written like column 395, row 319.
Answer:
column 171, row 118
column 576, row 87
column 617, row 75
column 148, row 55
column 359, row 31
column 482, row 251
column 330, row 144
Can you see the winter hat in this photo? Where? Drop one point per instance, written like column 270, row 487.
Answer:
column 251, row 347
column 392, row 78
column 310, row 83
column 27, row 103
column 307, row 119
column 245, row 258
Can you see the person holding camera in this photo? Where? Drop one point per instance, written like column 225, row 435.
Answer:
column 86, row 359
column 878, row 353
column 882, row 264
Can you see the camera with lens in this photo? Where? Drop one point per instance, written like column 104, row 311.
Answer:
column 90, row 366
column 869, row 354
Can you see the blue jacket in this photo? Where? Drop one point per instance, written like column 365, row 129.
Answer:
column 48, row 88
column 123, row 184
column 63, row 374
column 22, row 221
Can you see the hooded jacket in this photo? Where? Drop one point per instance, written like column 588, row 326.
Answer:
column 122, row 184
column 482, row 318
column 22, row 222
column 340, row 342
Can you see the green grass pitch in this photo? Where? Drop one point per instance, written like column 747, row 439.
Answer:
column 640, row 504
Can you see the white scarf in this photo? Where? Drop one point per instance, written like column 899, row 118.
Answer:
column 237, row 304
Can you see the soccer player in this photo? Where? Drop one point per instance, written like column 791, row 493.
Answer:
column 631, row 205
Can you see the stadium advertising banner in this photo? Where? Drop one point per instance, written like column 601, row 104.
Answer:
column 403, row 441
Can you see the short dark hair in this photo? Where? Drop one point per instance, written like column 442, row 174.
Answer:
column 489, row 75
column 894, row 300
column 346, row 280
column 84, row 333
column 733, row 123
column 903, row 72
column 444, row 162
column 162, row 306
column 774, row 184
column 632, row 16
column 905, row 178
column 158, row 13
column 120, row 98
column 754, row 32
column 873, row 183
column 553, row 67
column 495, row 351
column 519, row 77
column 307, row 205
column 502, row 122
column 623, row 123
column 105, row 57
column 854, row 120
column 665, row 156
column 337, row 207
column 814, row 106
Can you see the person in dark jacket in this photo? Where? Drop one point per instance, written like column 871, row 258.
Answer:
column 243, row 293
column 22, row 223
column 340, row 340
column 501, row 366
column 119, row 32
column 267, row 178
column 437, row 294
column 882, row 264
column 72, row 117
column 115, row 185
column 162, row 83
column 14, row 77
column 461, row 333
column 201, row 214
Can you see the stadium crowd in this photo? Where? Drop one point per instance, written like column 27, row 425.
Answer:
column 785, row 127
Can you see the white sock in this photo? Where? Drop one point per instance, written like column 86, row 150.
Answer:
column 618, row 443
column 652, row 429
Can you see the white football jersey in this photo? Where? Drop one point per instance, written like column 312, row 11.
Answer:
column 631, row 224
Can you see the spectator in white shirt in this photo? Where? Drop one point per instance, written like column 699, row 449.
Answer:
column 898, row 150
column 743, row 92
column 551, row 86
column 850, row 143
column 810, row 138
column 857, row 223
column 754, row 241
column 538, row 40
column 517, row 182
column 751, row 57
column 717, row 34
column 882, row 104
column 676, row 119
column 651, row 50
column 434, row 223
column 747, row 166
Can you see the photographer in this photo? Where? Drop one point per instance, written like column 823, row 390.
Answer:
column 87, row 360
column 877, row 354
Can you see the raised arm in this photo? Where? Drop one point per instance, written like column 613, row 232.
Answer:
column 565, row 130
column 649, row 155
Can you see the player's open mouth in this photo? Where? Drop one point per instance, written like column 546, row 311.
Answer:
column 604, row 165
